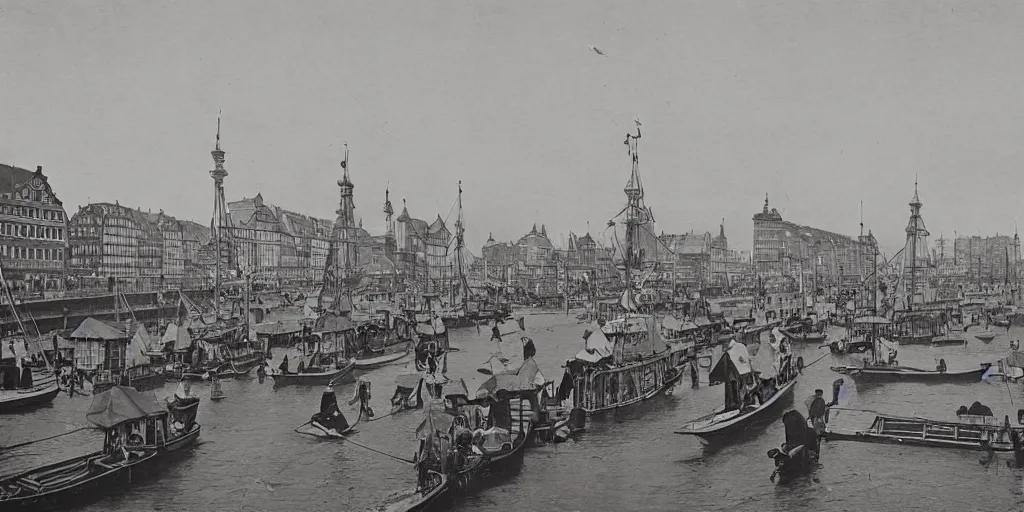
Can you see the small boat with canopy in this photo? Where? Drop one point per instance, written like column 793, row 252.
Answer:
column 753, row 385
column 467, row 444
column 137, row 434
column 327, row 364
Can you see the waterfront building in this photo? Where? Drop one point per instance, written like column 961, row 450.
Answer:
column 988, row 260
column 319, row 248
column 33, row 229
column 691, row 253
column 421, row 252
column 143, row 250
column 782, row 251
column 110, row 240
column 256, row 232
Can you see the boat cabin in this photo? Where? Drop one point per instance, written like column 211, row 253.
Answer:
column 100, row 347
column 280, row 333
column 752, row 380
column 130, row 420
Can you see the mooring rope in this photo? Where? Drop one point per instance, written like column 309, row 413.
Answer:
column 19, row 445
column 343, row 438
column 392, row 413
column 407, row 461
column 815, row 361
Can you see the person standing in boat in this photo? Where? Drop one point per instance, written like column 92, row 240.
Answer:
column 816, row 410
column 836, row 387
column 261, row 372
column 495, row 330
column 283, row 367
column 694, row 371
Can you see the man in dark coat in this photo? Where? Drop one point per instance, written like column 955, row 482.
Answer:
column 816, row 410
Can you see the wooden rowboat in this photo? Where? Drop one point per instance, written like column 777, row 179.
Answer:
column 334, row 376
column 883, row 373
column 15, row 400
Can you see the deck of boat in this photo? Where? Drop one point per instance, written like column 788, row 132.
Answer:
column 966, row 433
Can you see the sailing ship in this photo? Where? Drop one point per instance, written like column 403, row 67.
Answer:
column 19, row 388
column 753, row 386
column 464, row 307
column 138, row 434
column 877, row 369
column 221, row 345
column 625, row 360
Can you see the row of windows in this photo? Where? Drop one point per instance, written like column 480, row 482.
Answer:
column 32, row 213
column 32, row 253
column 32, row 231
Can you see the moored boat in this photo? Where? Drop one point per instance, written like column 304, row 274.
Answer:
column 379, row 361
column 886, row 372
column 316, row 376
column 137, row 434
column 630, row 368
column 877, row 369
column 979, row 432
column 986, row 335
column 753, row 387
column 16, row 400
column 803, row 336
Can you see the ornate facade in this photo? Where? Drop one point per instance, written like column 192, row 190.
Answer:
column 33, row 232
column 144, row 250
column 421, row 251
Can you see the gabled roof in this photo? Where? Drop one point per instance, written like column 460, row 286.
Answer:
column 195, row 231
column 246, row 210
column 438, row 226
column 93, row 329
column 13, row 179
column 136, row 215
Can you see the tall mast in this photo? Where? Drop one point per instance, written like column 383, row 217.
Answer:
column 219, row 214
column 14, row 309
column 344, row 233
column 460, row 243
column 874, row 291
column 635, row 211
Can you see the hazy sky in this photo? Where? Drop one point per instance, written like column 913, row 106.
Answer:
column 820, row 104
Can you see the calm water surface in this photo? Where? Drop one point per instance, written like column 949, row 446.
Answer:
column 250, row 459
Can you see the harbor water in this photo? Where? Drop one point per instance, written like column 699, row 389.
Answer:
column 250, row 459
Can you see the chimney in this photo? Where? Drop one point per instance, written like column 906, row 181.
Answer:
column 39, row 168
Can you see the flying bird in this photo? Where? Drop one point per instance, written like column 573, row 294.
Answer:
column 596, row 50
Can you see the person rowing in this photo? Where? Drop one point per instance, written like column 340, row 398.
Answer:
column 330, row 419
